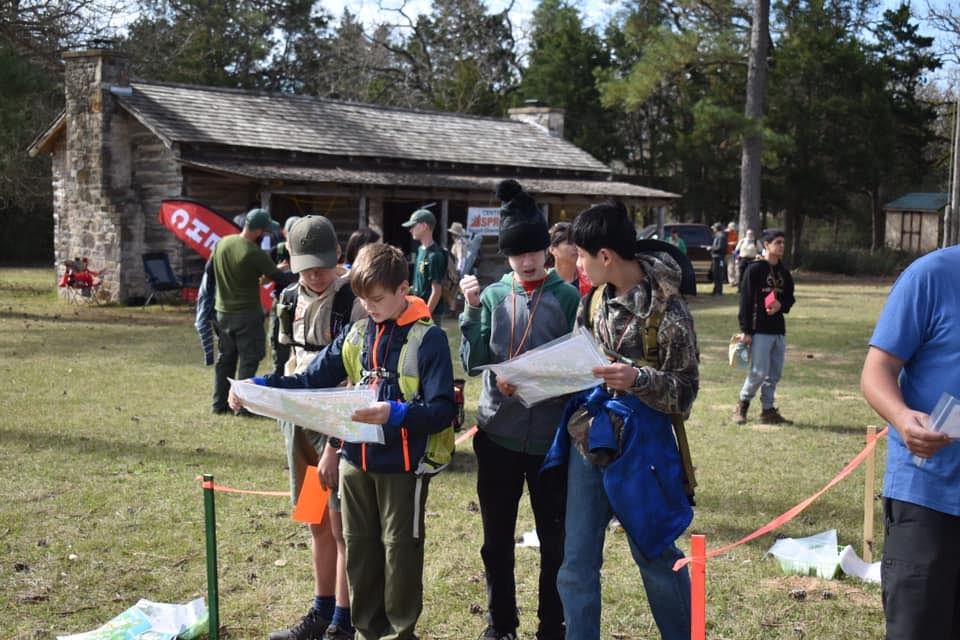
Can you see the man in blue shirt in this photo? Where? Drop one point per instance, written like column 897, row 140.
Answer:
column 914, row 358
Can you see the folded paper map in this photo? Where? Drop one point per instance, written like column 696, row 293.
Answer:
column 325, row 410
column 557, row 368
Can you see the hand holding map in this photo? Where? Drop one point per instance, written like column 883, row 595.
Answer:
column 554, row 369
column 328, row 411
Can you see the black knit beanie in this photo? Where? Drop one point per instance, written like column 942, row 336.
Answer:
column 522, row 227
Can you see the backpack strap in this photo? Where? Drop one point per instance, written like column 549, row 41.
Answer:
column 342, row 307
column 651, row 357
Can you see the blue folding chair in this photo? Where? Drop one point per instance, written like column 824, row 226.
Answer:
column 160, row 277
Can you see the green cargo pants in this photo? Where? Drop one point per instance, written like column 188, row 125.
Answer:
column 383, row 518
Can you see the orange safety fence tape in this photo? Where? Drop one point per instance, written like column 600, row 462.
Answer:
column 466, row 435
column 222, row 488
column 794, row 511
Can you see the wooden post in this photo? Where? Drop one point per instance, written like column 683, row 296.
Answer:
column 868, row 491
column 698, row 587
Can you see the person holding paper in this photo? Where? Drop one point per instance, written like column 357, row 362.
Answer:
column 310, row 313
column 913, row 359
column 766, row 294
column 638, row 315
column 527, row 308
column 383, row 488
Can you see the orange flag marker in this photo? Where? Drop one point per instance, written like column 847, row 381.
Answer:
column 311, row 504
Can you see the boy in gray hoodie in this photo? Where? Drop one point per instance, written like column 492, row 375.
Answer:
column 527, row 308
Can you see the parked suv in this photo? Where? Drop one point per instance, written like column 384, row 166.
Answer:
column 698, row 238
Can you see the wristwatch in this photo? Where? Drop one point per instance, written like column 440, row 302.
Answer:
column 642, row 379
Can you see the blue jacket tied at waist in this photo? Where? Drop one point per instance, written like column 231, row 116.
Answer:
column 644, row 483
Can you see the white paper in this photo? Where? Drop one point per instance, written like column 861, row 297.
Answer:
column 554, row 369
column 325, row 410
column 529, row 539
column 853, row 565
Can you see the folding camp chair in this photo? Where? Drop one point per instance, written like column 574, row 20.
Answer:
column 80, row 283
column 160, row 277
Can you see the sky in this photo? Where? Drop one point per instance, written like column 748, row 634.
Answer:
column 595, row 12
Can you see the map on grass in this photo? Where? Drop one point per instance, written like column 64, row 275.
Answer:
column 554, row 369
column 325, row 410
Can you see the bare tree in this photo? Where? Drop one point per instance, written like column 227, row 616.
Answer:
column 41, row 29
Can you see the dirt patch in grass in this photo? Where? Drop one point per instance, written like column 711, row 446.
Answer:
column 817, row 590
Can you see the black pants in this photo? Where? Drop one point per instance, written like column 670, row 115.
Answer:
column 920, row 572
column 501, row 474
column 719, row 269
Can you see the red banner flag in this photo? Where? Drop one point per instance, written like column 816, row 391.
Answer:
column 200, row 228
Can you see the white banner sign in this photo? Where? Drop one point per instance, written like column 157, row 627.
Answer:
column 483, row 221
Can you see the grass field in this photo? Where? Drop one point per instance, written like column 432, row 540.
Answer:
column 106, row 424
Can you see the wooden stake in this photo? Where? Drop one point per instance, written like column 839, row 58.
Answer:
column 869, row 482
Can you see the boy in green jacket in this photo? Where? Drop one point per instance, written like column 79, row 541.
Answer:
column 527, row 308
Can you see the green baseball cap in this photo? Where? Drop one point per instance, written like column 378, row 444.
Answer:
column 260, row 219
column 421, row 215
column 312, row 242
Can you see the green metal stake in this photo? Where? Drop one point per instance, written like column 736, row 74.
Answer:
column 210, row 525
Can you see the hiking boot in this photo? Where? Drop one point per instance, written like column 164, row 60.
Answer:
column 740, row 412
column 336, row 632
column 311, row 627
column 772, row 416
column 492, row 634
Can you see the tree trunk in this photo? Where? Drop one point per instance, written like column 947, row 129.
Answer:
column 753, row 144
column 879, row 220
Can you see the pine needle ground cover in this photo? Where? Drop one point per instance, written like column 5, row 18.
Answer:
column 106, row 425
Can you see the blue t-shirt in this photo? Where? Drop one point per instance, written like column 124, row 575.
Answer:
column 919, row 325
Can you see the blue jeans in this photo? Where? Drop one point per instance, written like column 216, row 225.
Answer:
column 766, row 365
column 588, row 514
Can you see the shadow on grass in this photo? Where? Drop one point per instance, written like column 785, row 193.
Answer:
column 87, row 315
column 112, row 449
column 843, row 429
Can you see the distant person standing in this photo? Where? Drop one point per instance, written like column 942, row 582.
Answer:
column 459, row 244
column 430, row 264
column 914, row 358
column 766, row 294
column 718, row 249
column 562, row 257
column 238, row 263
column 358, row 240
column 677, row 240
column 732, row 239
column 746, row 251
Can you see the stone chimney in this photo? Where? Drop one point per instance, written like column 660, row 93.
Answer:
column 87, row 220
column 536, row 113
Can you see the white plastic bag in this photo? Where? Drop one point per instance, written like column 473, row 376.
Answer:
column 815, row 555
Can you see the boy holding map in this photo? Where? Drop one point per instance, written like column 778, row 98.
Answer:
column 638, row 315
column 383, row 488
column 310, row 313
column 527, row 308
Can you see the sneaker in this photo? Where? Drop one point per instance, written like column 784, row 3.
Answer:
column 310, row 627
column 336, row 632
column 491, row 633
column 772, row 416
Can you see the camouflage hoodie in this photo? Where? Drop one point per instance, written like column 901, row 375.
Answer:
column 619, row 324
